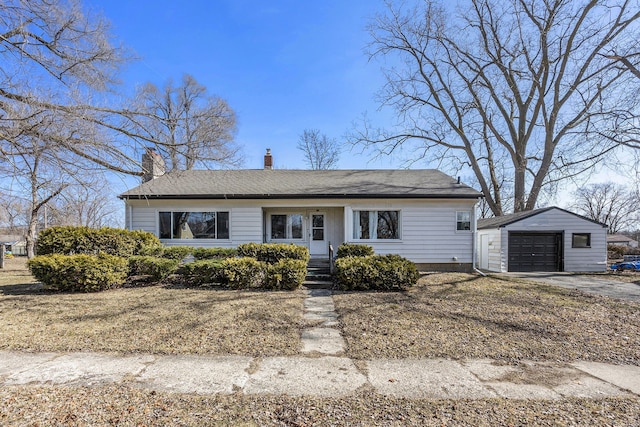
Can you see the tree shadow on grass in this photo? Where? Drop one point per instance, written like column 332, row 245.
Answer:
column 24, row 289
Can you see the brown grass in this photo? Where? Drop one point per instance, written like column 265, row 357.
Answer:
column 467, row 316
column 126, row 406
column 154, row 319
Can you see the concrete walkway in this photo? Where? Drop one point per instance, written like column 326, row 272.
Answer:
column 605, row 285
column 326, row 376
column 321, row 335
column 322, row 371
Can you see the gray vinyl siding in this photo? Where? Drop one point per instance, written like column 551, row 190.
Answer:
column 144, row 218
column 428, row 231
column 494, row 243
column 555, row 220
column 246, row 225
column 428, row 227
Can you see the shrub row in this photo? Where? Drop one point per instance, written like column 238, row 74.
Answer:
column 153, row 269
column 271, row 253
column 181, row 252
column 69, row 240
column 375, row 272
column 79, row 273
column 75, row 261
column 245, row 273
column 214, row 253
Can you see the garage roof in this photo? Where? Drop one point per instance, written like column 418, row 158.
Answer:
column 504, row 220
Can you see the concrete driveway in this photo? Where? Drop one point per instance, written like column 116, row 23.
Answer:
column 600, row 284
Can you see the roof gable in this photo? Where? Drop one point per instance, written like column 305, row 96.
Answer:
column 504, row 220
column 284, row 183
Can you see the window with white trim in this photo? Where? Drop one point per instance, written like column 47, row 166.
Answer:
column 286, row 226
column 194, row 225
column 374, row 225
column 463, row 221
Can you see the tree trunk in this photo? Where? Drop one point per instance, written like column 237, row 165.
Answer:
column 31, row 234
column 519, row 185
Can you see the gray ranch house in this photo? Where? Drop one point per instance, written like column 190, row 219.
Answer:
column 547, row 240
column 423, row 215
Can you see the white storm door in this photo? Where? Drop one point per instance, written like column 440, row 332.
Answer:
column 318, row 234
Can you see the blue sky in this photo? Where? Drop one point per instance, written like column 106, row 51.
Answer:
column 283, row 66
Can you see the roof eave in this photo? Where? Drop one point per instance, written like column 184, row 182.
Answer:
column 293, row 196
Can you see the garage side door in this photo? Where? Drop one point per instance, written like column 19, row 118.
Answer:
column 535, row 251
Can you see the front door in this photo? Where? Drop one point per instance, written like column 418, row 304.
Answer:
column 318, row 235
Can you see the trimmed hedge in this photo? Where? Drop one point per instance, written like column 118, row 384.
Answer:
column 271, row 253
column 286, row 274
column 156, row 269
column 176, row 252
column 202, row 272
column 245, row 272
column 214, row 253
column 69, row 240
column 376, row 272
column 80, row 272
column 353, row 249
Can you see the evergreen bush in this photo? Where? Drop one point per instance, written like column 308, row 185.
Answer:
column 353, row 249
column 202, row 272
column 70, row 240
column 286, row 274
column 176, row 252
column 376, row 272
column 214, row 253
column 79, row 272
column 271, row 253
column 154, row 268
column 242, row 273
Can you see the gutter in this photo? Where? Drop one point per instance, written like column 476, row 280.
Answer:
column 291, row 196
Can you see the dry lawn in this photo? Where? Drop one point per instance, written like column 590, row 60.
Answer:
column 126, row 406
column 154, row 319
column 456, row 315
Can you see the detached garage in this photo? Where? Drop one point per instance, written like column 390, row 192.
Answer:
column 547, row 239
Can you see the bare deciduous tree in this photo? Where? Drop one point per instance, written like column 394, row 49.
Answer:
column 185, row 124
column 13, row 212
column 88, row 203
column 609, row 203
column 55, row 59
column 320, row 152
column 512, row 89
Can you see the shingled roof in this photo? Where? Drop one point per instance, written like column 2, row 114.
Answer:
column 301, row 184
column 502, row 221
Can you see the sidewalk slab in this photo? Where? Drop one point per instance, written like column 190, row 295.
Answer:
column 425, row 379
column 590, row 388
column 196, row 374
column 13, row 362
column 84, row 369
column 539, row 380
column 322, row 340
column 301, row 376
column 626, row 377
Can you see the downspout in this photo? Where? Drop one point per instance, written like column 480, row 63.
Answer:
column 130, row 215
column 474, row 245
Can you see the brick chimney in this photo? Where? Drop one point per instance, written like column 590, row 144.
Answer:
column 268, row 160
column 152, row 165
